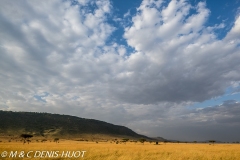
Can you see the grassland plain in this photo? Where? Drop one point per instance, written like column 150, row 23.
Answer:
column 113, row 151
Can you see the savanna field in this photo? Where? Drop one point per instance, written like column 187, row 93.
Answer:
column 112, row 151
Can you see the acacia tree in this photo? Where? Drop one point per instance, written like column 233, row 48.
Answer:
column 124, row 140
column 212, row 141
column 142, row 140
column 56, row 140
column 26, row 137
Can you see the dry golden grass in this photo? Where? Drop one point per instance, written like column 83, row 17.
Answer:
column 128, row 151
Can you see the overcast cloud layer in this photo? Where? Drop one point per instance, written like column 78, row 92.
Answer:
column 58, row 56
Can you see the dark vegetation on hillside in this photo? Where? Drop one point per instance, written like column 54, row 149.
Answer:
column 40, row 124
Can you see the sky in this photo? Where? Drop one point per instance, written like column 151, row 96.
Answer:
column 164, row 68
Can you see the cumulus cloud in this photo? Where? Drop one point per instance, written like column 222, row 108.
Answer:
column 58, row 56
column 54, row 56
column 177, row 57
column 175, row 121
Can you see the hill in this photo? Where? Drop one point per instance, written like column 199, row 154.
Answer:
column 55, row 125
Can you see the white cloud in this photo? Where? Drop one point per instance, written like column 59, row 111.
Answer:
column 53, row 46
column 183, row 60
column 83, row 2
column 234, row 35
column 127, row 14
